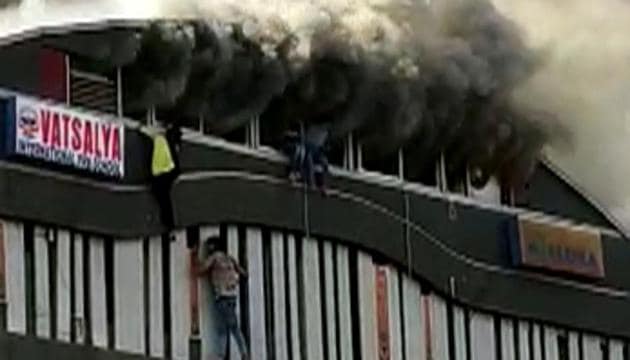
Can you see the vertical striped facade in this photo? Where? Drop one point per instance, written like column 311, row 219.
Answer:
column 304, row 298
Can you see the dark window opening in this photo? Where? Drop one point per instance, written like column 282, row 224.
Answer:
column 520, row 196
column 456, row 181
column 376, row 160
column 456, row 174
column 141, row 116
column 273, row 132
column 507, row 197
column 238, row 135
column 336, row 152
column 418, row 170
column 93, row 85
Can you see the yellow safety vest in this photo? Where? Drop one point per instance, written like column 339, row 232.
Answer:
column 162, row 159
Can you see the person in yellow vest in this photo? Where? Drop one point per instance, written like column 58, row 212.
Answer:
column 165, row 170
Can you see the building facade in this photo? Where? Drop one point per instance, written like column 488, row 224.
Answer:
column 383, row 267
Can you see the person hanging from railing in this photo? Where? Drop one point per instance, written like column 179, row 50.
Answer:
column 315, row 162
column 307, row 156
column 165, row 170
column 294, row 150
column 224, row 274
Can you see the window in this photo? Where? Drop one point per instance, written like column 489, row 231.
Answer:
column 381, row 161
column 336, row 151
column 239, row 135
column 418, row 169
column 93, row 86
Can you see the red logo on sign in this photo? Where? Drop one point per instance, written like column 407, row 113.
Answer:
column 27, row 122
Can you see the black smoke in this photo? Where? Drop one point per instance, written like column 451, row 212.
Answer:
column 447, row 92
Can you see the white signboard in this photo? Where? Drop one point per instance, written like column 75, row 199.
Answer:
column 67, row 137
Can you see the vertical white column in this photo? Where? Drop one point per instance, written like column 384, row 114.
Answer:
column 395, row 321
column 439, row 328
column 508, row 350
column 616, row 350
column 592, row 347
column 482, row 337
column 78, row 317
column 256, row 301
column 459, row 327
column 15, row 275
column 232, row 247
column 42, row 282
column 343, row 302
column 536, row 341
column 551, row 343
column 281, row 334
column 296, row 345
column 63, row 286
column 331, row 308
column 129, row 319
column 367, row 307
column 207, row 316
column 98, row 305
column 415, row 339
column 523, row 334
column 574, row 346
column 312, row 300
column 156, row 299
column 180, row 297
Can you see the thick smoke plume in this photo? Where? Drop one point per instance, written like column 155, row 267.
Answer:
column 433, row 79
column 586, row 81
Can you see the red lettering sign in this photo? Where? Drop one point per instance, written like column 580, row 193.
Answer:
column 116, row 145
column 66, row 130
column 56, row 135
column 53, row 133
column 45, row 125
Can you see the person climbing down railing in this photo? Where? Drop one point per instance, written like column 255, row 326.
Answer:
column 165, row 170
column 307, row 156
column 224, row 274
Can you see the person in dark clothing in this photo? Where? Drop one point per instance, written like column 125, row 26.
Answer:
column 315, row 161
column 307, row 156
column 293, row 149
column 165, row 170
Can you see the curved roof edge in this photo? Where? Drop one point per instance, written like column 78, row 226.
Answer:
column 580, row 190
column 75, row 26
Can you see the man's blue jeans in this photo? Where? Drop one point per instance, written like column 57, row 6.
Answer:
column 227, row 324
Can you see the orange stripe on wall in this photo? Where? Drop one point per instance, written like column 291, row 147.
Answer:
column 382, row 314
